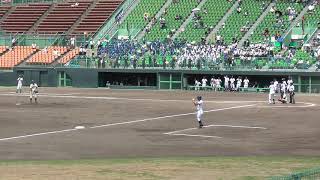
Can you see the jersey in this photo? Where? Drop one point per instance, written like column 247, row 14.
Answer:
column 271, row 89
column 246, row 82
column 199, row 105
column 226, row 80
column 291, row 88
column 204, row 82
column 33, row 87
column 239, row 81
column 283, row 86
column 232, row 80
column 20, row 80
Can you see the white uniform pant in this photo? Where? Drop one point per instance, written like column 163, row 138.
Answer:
column 19, row 86
column 226, row 86
column 232, row 86
column 271, row 97
column 199, row 115
column 33, row 95
column 238, row 86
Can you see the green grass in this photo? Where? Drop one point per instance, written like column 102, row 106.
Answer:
column 238, row 168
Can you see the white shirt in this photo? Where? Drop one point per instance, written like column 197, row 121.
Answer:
column 246, row 82
column 226, row 80
column 291, row 88
column 199, row 105
column 283, row 86
column 204, row 82
column 20, row 79
column 33, row 87
column 232, row 80
column 271, row 89
column 239, row 81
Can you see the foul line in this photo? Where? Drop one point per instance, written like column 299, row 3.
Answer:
column 121, row 123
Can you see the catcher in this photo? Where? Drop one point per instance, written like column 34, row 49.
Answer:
column 33, row 92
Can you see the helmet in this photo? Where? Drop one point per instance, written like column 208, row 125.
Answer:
column 199, row 98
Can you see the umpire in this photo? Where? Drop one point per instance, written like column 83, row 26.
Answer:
column 291, row 92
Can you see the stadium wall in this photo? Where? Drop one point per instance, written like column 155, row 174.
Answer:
column 148, row 78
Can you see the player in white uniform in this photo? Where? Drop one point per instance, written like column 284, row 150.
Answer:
column 289, row 82
column 291, row 93
column 276, row 84
column 226, row 83
column 218, row 83
column 204, row 83
column 20, row 83
column 213, row 83
column 246, row 83
column 232, row 85
column 33, row 91
column 283, row 88
column 199, row 105
column 197, row 85
column 271, row 93
column 239, row 82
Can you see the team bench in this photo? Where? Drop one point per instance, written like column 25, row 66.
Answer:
column 204, row 88
column 250, row 89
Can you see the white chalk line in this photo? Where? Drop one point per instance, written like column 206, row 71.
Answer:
column 196, row 135
column 37, row 134
column 162, row 100
column 217, row 125
column 121, row 123
column 177, row 133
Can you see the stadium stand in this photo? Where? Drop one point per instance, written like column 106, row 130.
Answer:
column 102, row 10
column 62, row 17
column 47, row 55
column 22, row 18
column 4, row 10
column 211, row 13
column 274, row 22
column 135, row 18
column 239, row 22
column 15, row 56
column 69, row 56
column 3, row 49
column 182, row 8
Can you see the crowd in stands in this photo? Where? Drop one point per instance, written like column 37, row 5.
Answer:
column 187, row 55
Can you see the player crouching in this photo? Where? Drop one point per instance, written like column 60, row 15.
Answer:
column 283, row 99
column 33, row 92
column 199, row 105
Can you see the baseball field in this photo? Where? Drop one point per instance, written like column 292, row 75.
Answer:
column 145, row 134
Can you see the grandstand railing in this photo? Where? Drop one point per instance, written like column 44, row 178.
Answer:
column 311, row 174
column 107, row 25
column 42, row 40
column 14, row 2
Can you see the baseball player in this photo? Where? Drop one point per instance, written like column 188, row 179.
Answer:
column 199, row 105
column 291, row 93
column 19, row 85
column 33, row 92
column 283, row 88
column 239, row 82
column 226, row 83
column 245, row 83
column 204, row 83
column 197, row 85
column 276, row 83
column 212, row 82
column 232, row 86
column 218, row 83
column 271, row 93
